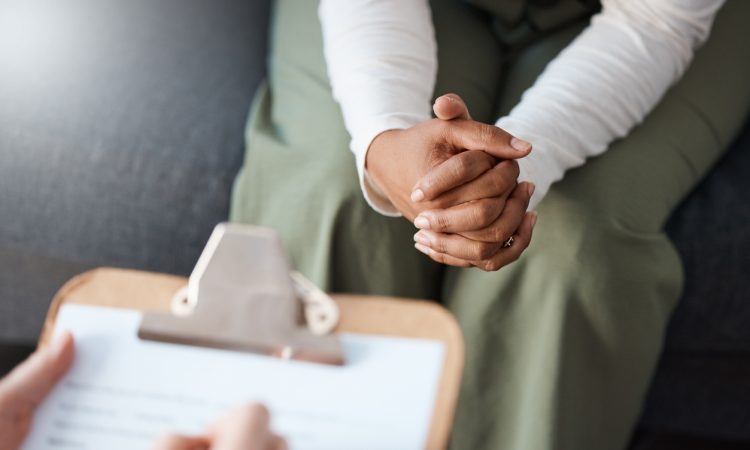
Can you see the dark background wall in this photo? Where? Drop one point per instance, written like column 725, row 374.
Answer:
column 121, row 130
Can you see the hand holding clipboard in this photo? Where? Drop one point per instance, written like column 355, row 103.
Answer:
column 410, row 323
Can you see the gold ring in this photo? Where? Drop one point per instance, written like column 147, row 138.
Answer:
column 508, row 243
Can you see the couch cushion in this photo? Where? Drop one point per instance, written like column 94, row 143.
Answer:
column 712, row 233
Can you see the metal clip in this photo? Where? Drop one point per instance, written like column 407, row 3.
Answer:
column 321, row 312
column 242, row 296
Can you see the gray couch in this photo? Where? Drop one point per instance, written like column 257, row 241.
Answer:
column 121, row 129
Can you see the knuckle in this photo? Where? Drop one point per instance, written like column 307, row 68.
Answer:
column 438, row 257
column 485, row 251
column 499, row 182
column 486, row 135
column 442, row 222
column 473, row 252
column 460, row 167
column 439, row 245
column 427, row 182
column 442, row 128
column 499, row 234
column 484, row 212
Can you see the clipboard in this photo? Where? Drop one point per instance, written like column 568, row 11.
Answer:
column 386, row 316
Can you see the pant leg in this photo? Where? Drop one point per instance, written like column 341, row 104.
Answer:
column 562, row 344
column 299, row 176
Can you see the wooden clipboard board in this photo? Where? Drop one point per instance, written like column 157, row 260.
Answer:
column 387, row 316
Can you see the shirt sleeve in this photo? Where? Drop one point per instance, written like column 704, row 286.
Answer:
column 382, row 65
column 605, row 82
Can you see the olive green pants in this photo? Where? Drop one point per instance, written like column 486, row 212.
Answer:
column 561, row 345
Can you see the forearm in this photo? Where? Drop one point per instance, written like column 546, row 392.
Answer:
column 605, row 83
column 382, row 64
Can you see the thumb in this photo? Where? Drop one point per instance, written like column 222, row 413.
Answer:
column 247, row 428
column 32, row 380
column 27, row 385
column 450, row 106
column 497, row 142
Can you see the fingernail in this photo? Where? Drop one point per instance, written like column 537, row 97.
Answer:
column 421, row 238
column 519, row 144
column 417, row 195
column 533, row 219
column 531, row 188
column 422, row 222
column 422, row 248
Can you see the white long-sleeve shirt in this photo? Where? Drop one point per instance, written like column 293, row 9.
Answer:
column 382, row 64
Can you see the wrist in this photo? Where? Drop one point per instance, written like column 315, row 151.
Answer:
column 377, row 159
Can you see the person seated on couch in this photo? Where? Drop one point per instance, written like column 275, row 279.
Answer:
column 624, row 117
column 23, row 389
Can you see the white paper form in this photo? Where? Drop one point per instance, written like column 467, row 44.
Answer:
column 122, row 392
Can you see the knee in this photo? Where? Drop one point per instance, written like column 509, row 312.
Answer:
column 593, row 257
column 567, row 235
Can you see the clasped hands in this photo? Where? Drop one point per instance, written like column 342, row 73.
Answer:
column 456, row 180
